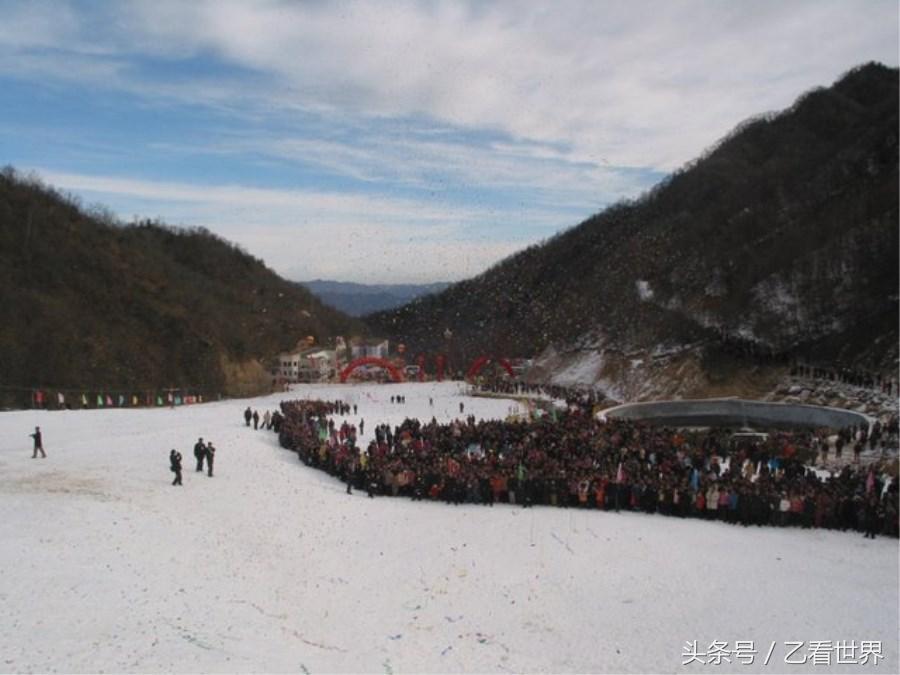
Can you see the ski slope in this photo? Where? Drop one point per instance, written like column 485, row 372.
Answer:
column 270, row 566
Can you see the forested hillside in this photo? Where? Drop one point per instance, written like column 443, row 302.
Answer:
column 782, row 239
column 90, row 304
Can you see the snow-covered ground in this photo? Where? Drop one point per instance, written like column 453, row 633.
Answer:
column 270, row 566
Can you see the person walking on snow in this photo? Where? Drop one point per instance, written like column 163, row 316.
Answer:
column 210, row 455
column 255, row 420
column 199, row 453
column 175, row 465
column 38, row 443
column 247, row 416
column 267, row 420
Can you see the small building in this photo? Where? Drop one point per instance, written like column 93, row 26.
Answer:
column 318, row 366
column 287, row 366
column 306, row 365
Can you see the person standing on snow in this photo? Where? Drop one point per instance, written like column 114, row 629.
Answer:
column 351, row 474
column 199, row 453
column 255, row 420
column 38, row 443
column 175, row 465
column 247, row 416
column 873, row 514
column 210, row 455
column 267, row 420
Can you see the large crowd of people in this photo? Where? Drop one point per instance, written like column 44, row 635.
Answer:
column 846, row 375
column 574, row 460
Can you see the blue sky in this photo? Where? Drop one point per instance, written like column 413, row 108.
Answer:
column 399, row 141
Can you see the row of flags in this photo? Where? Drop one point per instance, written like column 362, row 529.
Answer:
column 100, row 400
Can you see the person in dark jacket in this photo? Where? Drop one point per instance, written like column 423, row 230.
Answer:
column 175, row 465
column 372, row 486
column 247, row 415
column 349, row 474
column 199, row 453
column 872, row 514
column 38, row 443
column 255, row 420
column 210, row 455
column 276, row 421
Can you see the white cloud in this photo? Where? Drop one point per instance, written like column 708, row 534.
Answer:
column 646, row 84
column 554, row 179
column 639, row 83
column 553, row 99
column 307, row 234
column 37, row 25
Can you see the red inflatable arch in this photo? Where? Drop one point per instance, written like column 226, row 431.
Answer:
column 396, row 375
column 482, row 361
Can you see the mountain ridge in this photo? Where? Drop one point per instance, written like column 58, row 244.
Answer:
column 357, row 299
column 89, row 303
column 781, row 239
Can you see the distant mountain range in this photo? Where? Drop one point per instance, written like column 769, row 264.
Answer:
column 361, row 299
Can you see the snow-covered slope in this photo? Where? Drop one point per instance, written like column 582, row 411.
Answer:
column 270, row 566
